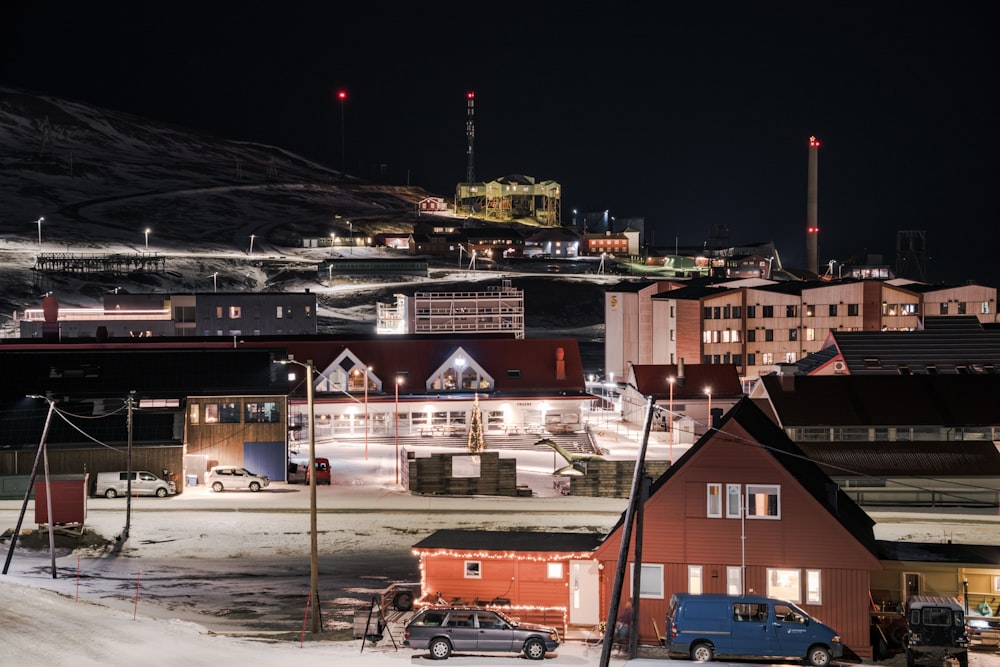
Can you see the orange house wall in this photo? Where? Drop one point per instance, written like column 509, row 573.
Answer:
column 522, row 579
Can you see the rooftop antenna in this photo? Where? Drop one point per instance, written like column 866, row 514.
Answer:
column 470, row 136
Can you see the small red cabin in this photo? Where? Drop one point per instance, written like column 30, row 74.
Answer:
column 69, row 500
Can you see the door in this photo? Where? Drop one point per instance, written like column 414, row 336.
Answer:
column 791, row 632
column 462, row 630
column 752, row 635
column 495, row 634
column 584, row 590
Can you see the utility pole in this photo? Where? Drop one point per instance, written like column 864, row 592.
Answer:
column 130, row 403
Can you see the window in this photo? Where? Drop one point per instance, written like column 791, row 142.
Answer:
column 714, row 509
column 751, row 312
column 211, row 413
column 218, row 312
column 769, row 335
column 194, row 413
column 813, row 587
column 984, row 308
column 734, row 580
column 651, row 586
column 768, row 311
column 694, row 579
column 786, row 614
column 833, row 310
column 229, row 413
column 791, row 311
column 852, row 310
column 554, row 570
column 810, row 311
column 264, row 412
column 747, row 612
column 810, row 333
column 751, row 335
column 473, row 569
column 234, row 312
column 784, row 584
column 733, row 501
column 793, row 334
column 763, row 501
column 278, row 312
column 751, row 359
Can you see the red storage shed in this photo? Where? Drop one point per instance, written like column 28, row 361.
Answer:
column 69, row 500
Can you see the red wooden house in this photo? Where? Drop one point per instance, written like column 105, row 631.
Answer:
column 745, row 511
column 533, row 576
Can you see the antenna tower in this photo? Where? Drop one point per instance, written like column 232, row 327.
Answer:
column 470, row 136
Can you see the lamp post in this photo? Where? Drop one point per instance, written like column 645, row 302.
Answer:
column 147, row 239
column 670, row 416
column 313, row 544
column 367, row 370
column 333, row 242
column 252, row 237
column 215, row 281
column 39, row 223
column 399, row 381
column 708, row 390
column 350, row 228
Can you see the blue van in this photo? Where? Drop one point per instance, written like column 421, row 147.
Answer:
column 746, row 626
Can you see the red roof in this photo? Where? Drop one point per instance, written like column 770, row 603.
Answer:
column 651, row 380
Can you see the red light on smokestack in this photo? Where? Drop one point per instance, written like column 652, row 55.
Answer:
column 342, row 95
column 813, row 142
column 470, row 94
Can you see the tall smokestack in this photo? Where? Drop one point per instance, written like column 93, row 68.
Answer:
column 470, row 136
column 812, row 221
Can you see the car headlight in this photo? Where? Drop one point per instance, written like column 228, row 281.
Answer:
column 835, row 640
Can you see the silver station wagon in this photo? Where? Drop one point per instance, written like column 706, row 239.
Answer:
column 443, row 630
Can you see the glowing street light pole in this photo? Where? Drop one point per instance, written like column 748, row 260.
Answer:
column 350, row 228
column 252, row 237
column 313, row 539
column 708, row 390
column 399, row 381
column 215, row 281
column 670, row 416
column 147, row 238
column 39, row 223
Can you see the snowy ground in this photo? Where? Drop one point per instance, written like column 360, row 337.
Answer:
column 203, row 570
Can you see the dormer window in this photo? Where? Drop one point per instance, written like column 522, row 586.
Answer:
column 460, row 373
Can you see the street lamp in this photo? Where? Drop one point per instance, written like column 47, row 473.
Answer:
column 39, row 223
column 350, row 228
column 252, row 237
column 670, row 416
column 367, row 370
column 313, row 545
column 333, row 242
column 399, row 381
column 708, row 390
column 147, row 239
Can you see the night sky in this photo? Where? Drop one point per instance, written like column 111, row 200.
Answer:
column 691, row 115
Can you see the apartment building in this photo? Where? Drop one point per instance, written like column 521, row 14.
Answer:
column 755, row 323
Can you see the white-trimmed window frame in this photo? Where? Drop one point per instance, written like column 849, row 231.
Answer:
column 713, row 500
column 473, row 569
column 734, row 501
column 767, row 490
column 651, row 586
column 696, row 580
column 814, row 587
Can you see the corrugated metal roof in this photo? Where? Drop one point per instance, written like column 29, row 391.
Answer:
column 884, row 400
column 892, row 459
column 931, row 552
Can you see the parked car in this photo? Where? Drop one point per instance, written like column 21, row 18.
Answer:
column 935, row 630
column 229, row 478
column 298, row 471
column 442, row 630
column 114, row 484
column 702, row 627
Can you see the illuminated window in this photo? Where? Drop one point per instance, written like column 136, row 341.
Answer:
column 473, row 569
column 734, row 580
column 194, row 413
column 211, row 413
column 554, row 570
column 763, row 501
column 714, row 509
column 694, row 579
column 278, row 312
column 234, row 312
column 814, row 591
column 784, row 584
column 810, row 333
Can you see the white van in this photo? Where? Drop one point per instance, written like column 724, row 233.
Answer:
column 114, row 484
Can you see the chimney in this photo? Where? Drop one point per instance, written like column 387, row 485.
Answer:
column 812, row 196
column 560, row 363
column 680, row 372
